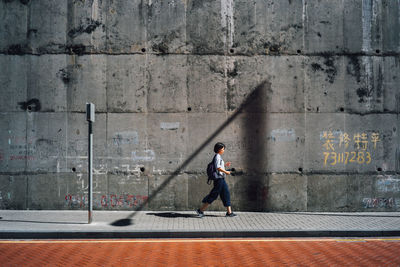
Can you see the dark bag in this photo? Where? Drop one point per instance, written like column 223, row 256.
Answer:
column 211, row 171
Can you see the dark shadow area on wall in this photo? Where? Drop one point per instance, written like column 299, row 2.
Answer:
column 252, row 101
column 254, row 185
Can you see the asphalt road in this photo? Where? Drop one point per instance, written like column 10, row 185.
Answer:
column 202, row 252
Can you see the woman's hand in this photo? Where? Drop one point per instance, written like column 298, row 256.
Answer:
column 224, row 171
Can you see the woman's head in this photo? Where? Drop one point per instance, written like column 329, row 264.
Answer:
column 218, row 146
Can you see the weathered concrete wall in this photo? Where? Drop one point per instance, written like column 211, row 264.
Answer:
column 305, row 94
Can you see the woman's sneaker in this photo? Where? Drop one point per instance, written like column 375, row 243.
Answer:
column 230, row 214
column 200, row 214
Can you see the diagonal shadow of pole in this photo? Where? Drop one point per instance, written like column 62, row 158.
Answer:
column 257, row 93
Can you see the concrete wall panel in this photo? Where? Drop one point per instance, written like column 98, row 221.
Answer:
column 46, row 142
column 167, row 141
column 371, row 86
column 127, row 84
column 15, row 148
column 167, row 83
column 351, row 143
column 86, row 26
column 373, row 192
column 248, row 192
column 327, row 192
column 48, row 79
column 207, row 83
column 126, row 26
column 88, row 82
column 323, row 26
column 325, row 83
column 13, row 189
column 166, row 26
column 267, row 27
column 285, row 92
column 127, row 141
column 390, row 24
column 170, row 196
column 207, row 25
column 47, row 25
column 279, row 196
column 126, row 191
column 13, row 82
column 13, row 27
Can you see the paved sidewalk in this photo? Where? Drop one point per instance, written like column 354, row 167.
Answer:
column 185, row 224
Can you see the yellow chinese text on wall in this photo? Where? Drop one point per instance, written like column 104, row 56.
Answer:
column 343, row 148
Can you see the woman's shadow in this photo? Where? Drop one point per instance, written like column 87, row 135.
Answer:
column 175, row 215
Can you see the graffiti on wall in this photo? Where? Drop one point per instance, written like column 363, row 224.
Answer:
column 379, row 202
column 343, row 148
column 106, row 201
column 388, row 184
column 19, row 148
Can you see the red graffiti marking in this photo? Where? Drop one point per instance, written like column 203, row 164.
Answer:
column 21, row 157
column 72, row 200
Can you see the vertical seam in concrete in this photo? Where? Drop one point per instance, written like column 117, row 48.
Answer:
column 28, row 21
column 366, row 8
column 344, row 43
column 304, row 18
column 227, row 22
column 398, row 12
column 368, row 13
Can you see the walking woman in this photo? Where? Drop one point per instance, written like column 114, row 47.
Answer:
column 220, row 187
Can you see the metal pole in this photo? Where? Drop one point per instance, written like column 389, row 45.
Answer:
column 90, row 111
column 90, row 171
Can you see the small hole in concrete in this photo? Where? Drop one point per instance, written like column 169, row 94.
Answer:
column 142, row 169
column 232, row 50
column 29, row 108
column 189, row 109
column 74, row 169
column 341, row 109
column 300, row 169
column 378, row 51
column 299, row 51
column 143, row 50
column 379, row 169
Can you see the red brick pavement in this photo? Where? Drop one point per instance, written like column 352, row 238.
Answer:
column 202, row 252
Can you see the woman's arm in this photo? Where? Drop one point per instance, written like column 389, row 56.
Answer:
column 224, row 171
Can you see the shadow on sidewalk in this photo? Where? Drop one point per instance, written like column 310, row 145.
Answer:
column 251, row 101
column 177, row 215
